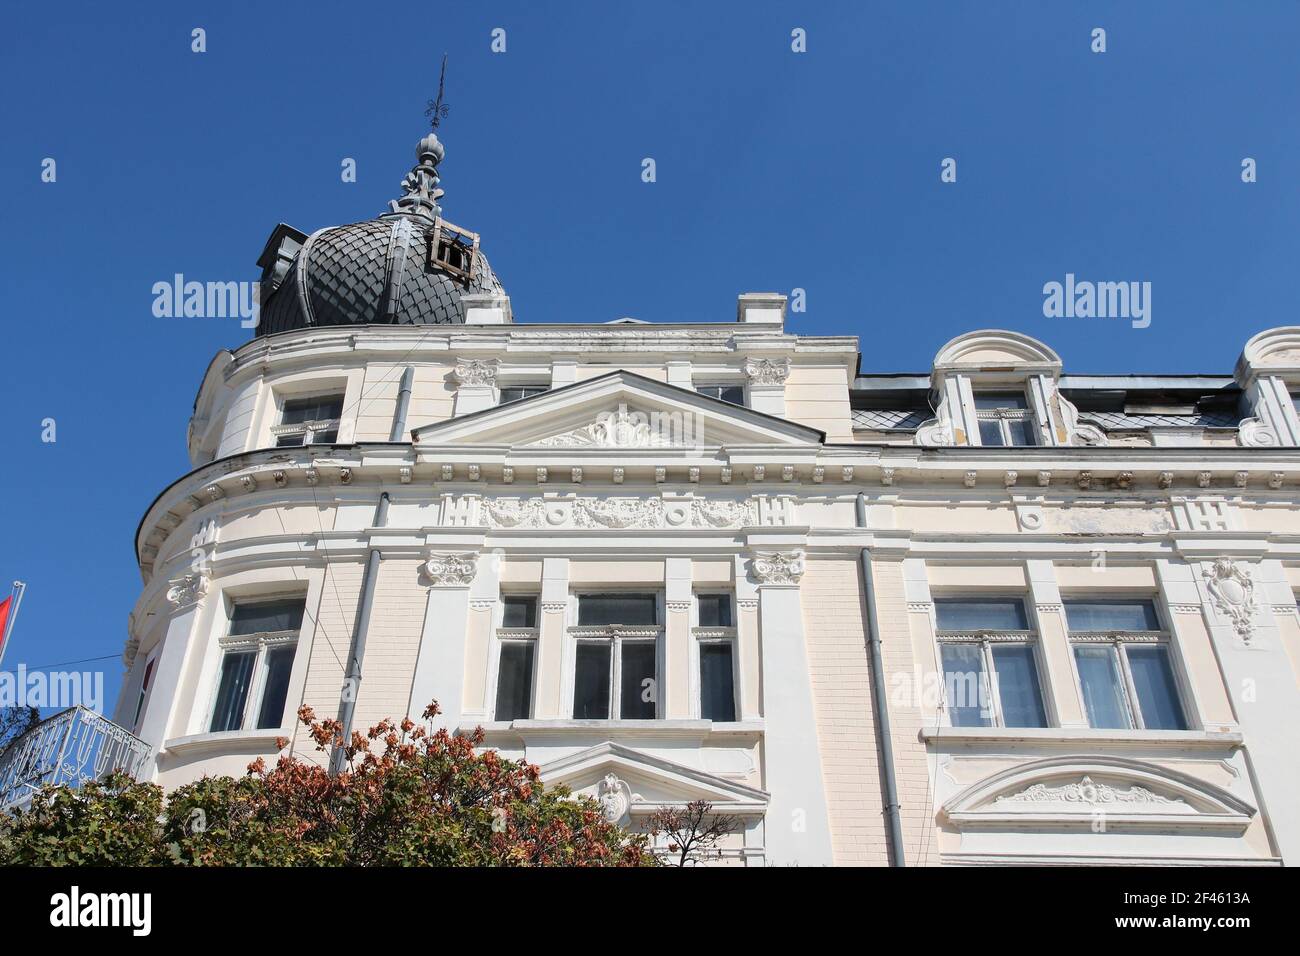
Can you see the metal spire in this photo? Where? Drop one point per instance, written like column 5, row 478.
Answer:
column 437, row 110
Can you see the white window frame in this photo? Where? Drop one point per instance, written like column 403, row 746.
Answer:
column 712, row 635
column 261, row 642
column 616, row 635
column 985, row 639
column 744, row 392
column 309, row 429
column 502, row 386
column 502, row 635
column 1004, row 415
column 142, row 698
column 1119, row 640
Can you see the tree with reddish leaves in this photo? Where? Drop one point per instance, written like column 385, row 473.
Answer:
column 409, row 795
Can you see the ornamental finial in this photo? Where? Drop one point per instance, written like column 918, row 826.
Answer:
column 420, row 191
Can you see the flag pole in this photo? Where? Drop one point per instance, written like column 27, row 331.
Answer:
column 19, row 590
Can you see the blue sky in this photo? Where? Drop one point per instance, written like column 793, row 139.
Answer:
column 775, row 171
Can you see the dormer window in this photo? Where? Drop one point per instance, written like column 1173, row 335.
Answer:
column 735, row 394
column 1004, row 418
column 309, row 421
column 452, row 249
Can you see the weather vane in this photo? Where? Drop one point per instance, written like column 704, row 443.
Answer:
column 437, row 110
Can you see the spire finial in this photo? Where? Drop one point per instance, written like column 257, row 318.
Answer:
column 420, row 192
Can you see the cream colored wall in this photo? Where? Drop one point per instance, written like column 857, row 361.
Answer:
column 818, row 396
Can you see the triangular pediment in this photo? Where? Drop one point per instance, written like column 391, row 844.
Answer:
column 633, row 782
column 618, row 411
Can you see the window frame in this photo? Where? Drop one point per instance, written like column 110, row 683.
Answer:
column 1118, row 641
column 700, row 387
column 985, row 639
column 308, row 429
column 261, row 642
column 616, row 636
column 541, row 388
column 142, row 699
column 710, row 634
column 1002, row 416
column 501, row 636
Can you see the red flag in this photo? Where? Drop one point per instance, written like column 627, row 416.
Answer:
column 5, row 607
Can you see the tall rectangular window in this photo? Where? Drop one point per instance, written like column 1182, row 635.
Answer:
column 616, row 670
column 256, row 663
column 1005, row 418
column 990, row 669
column 1122, row 657
column 517, row 639
column 715, row 636
column 309, row 421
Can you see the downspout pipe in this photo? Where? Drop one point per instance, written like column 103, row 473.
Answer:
column 880, row 703
column 403, row 405
column 357, row 648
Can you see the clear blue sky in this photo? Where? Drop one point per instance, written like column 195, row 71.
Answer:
column 775, row 170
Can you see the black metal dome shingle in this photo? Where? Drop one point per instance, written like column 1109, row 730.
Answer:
column 377, row 272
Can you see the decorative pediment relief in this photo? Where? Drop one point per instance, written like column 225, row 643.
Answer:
column 630, row 783
column 623, row 513
column 1114, row 793
column 621, row 410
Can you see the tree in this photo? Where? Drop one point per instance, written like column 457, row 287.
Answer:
column 409, row 795
column 692, row 832
column 16, row 721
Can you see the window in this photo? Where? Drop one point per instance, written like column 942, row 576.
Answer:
column 145, row 683
column 309, row 421
column 990, row 672
column 452, row 249
column 616, row 657
column 517, row 638
column 1004, row 418
column 1126, row 675
column 256, row 662
column 715, row 636
column 516, row 393
column 735, row 394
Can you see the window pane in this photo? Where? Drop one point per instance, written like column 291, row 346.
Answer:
column 735, row 394
column 320, row 409
column 591, row 682
column 1156, row 689
column 1111, row 616
column 717, row 684
column 991, row 433
column 519, row 612
column 715, row 610
column 981, row 614
column 1103, row 691
column 515, row 681
column 232, row 690
column 965, row 685
column 325, row 437
column 252, row 618
column 617, row 609
column 1020, row 431
column 279, row 664
column 289, row 441
column 1022, row 704
column 639, row 687
column 1000, row 400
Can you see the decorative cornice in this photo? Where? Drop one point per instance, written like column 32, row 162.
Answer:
column 451, row 570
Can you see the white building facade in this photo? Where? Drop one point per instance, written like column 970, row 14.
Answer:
column 988, row 613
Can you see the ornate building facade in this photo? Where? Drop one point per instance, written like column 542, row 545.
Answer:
column 989, row 613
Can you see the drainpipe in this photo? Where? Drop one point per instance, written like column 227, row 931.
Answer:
column 357, row 649
column 403, row 404
column 881, row 704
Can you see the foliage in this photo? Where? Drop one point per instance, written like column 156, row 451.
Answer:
column 410, row 795
column 692, row 833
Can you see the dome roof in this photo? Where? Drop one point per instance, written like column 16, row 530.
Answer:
column 406, row 267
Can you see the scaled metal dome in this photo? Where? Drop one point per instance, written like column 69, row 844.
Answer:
column 407, row 267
